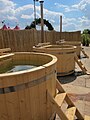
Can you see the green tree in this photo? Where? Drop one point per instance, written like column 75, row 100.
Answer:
column 86, row 31
column 85, row 38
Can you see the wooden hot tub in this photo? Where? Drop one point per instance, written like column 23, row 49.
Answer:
column 65, row 55
column 74, row 43
column 23, row 92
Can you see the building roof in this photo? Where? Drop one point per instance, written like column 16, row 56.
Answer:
column 17, row 28
column 4, row 27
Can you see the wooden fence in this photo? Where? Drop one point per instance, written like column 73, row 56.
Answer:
column 23, row 40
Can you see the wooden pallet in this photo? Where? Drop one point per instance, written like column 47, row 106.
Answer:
column 72, row 111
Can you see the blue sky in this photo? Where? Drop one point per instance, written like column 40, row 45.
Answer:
column 75, row 13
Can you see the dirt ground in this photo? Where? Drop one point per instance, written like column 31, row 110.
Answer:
column 77, row 85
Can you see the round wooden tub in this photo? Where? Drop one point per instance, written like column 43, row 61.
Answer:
column 65, row 55
column 74, row 43
column 23, row 93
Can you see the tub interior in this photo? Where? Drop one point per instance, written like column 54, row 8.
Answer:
column 59, row 46
column 20, row 62
column 13, row 66
column 16, row 68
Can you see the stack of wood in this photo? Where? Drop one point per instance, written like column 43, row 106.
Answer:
column 5, row 52
column 42, row 44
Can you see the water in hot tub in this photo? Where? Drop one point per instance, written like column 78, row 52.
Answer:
column 20, row 68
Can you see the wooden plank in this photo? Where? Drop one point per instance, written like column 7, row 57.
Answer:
column 21, row 97
column 51, row 82
column 50, row 85
column 53, row 116
column 27, row 97
column 84, row 68
column 1, row 39
column 3, row 106
column 68, row 100
column 59, row 87
column 80, row 61
column 30, row 40
column 5, row 38
column 5, row 50
column 11, row 99
column 40, row 96
column 80, row 64
column 70, row 113
column 87, row 117
column 18, row 38
column 56, row 107
column 42, row 44
column 71, row 104
column 84, row 53
column 42, row 106
column 34, row 97
column 60, row 98
column 6, row 56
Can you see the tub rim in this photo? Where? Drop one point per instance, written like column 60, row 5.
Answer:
column 49, row 47
column 53, row 61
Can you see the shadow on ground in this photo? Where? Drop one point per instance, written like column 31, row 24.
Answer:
column 69, row 78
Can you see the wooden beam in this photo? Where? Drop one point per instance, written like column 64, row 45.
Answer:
column 71, row 104
column 60, row 98
column 84, row 53
column 5, row 50
column 59, row 87
column 53, row 116
column 87, row 117
column 80, row 64
column 6, row 56
column 68, row 100
column 70, row 113
column 56, row 107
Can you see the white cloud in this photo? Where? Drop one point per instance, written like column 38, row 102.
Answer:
column 11, row 18
column 48, row 12
column 7, row 6
column 11, row 14
column 81, row 23
column 82, row 5
column 31, row 16
column 79, row 6
column 7, row 10
column 53, row 21
column 84, row 23
column 82, row 8
column 60, row 5
column 65, row 7
column 7, row 3
column 68, row 20
column 25, row 16
column 69, row 27
column 24, row 8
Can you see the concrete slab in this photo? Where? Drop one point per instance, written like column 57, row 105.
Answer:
column 76, row 89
